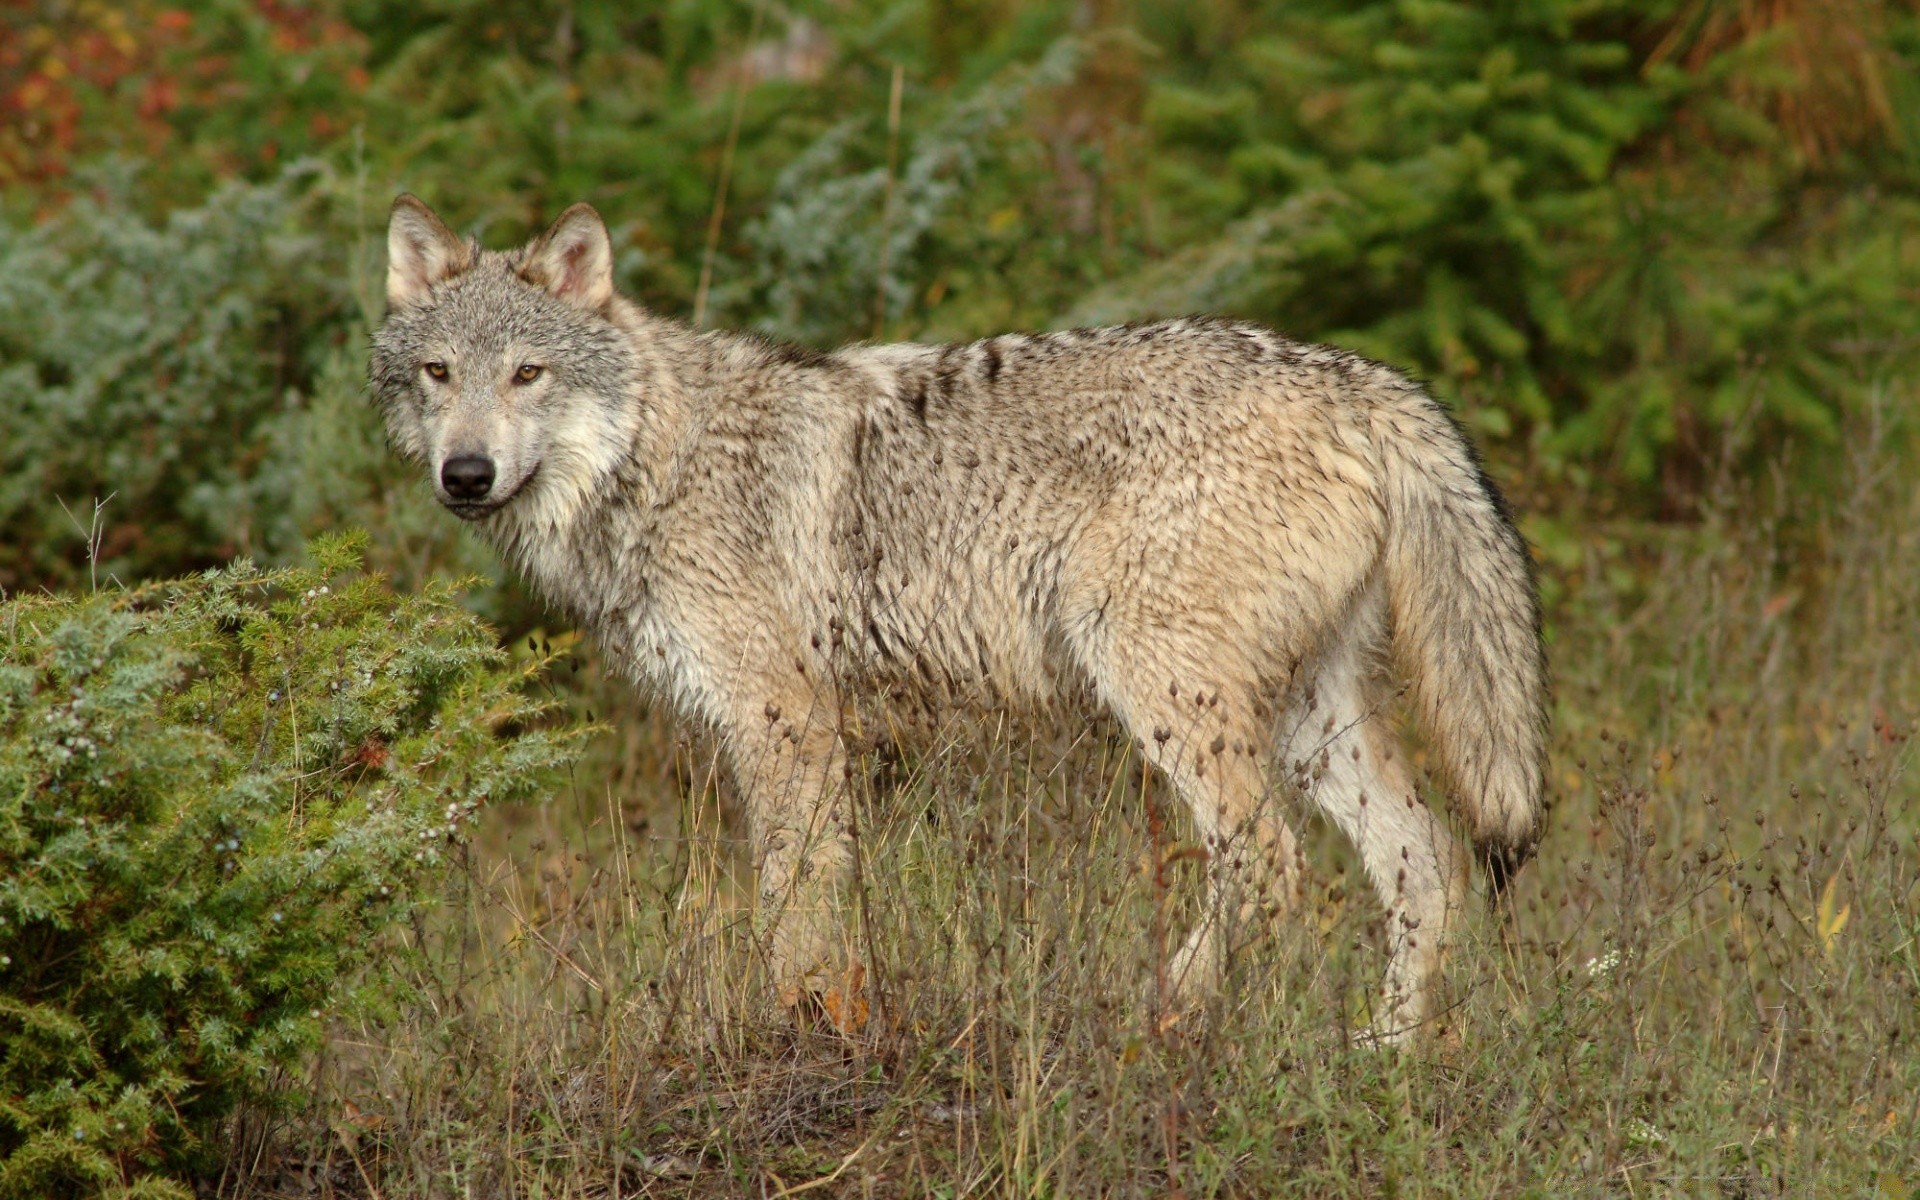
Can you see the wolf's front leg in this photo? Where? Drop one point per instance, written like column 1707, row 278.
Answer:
column 792, row 772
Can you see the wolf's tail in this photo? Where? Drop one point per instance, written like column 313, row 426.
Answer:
column 1466, row 628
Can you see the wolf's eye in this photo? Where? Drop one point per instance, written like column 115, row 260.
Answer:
column 527, row 373
column 437, row 370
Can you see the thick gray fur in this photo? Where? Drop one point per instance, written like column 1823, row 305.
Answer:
column 1233, row 543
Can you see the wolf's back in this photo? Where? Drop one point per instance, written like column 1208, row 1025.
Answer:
column 1466, row 627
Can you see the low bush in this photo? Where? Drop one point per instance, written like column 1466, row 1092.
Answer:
column 215, row 796
column 144, row 361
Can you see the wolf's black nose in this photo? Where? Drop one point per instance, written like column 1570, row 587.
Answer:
column 469, row 477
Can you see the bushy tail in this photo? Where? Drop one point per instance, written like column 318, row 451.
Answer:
column 1466, row 628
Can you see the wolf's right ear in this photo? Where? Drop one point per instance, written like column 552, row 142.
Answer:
column 421, row 251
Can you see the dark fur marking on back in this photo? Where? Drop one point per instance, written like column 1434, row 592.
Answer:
column 993, row 361
column 793, row 355
column 943, row 377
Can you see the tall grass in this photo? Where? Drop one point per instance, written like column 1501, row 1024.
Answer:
column 1707, row 984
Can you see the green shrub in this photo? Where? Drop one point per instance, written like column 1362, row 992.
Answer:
column 215, row 794
column 142, row 360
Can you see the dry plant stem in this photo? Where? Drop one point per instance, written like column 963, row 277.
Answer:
column 886, row 203
column 726, row 172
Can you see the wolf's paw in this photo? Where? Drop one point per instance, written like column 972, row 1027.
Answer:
column 1179, row 997
column 839, row 998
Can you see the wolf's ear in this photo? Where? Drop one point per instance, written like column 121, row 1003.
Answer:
column 421, row 251
column 574, row 259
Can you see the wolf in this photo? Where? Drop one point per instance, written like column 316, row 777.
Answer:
column 1240, row 547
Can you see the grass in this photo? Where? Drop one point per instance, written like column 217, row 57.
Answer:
column 1708, row 984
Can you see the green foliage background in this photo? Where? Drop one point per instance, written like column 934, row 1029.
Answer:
column 1614, row 233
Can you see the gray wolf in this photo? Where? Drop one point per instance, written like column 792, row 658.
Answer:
column 1232, row 543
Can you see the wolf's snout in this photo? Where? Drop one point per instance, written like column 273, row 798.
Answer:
column 469, row 477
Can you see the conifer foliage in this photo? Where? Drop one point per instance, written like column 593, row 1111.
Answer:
column 216, row 795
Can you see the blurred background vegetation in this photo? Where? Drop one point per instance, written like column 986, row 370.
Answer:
column 1635, row 243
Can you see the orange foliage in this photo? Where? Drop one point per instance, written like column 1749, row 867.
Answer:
column 57, row 62
column 1835, row 52
column 80, row 77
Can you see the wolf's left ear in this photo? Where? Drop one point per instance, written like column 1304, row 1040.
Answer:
column 574, row 259
column 421, row 251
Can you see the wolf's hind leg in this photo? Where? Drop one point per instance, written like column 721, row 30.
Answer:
column 1253, row 870
column 1202, row 734
column 1340, row 752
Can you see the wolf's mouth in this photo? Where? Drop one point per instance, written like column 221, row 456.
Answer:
column 476, row 510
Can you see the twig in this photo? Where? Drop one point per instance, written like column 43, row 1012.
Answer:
column 824, row 1180
column 91, row 534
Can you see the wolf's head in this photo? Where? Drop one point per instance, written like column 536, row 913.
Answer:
column 503, row 373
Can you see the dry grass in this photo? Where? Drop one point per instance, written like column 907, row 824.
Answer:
column 1709, row 986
